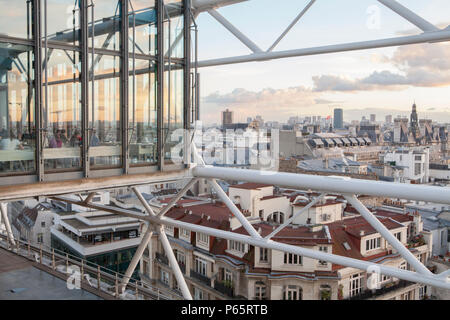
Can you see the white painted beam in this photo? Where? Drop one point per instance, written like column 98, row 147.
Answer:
column 409, row 15
column 235, row 31
column 393, row 241
column 293, row 23
column 338, row 185
column 437, row 36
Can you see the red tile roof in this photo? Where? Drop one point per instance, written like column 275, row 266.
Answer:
column 251, row 186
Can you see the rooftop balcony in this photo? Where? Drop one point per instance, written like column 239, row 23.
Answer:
column 373, row 295
column 200, row 277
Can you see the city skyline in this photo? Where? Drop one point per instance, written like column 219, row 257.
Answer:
column 384, row 79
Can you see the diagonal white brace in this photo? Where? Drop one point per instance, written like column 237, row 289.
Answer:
column 298, row 17
column 393, row 241
column 174, row 264
column 235, row 31
column 287, row 222
column 143, row 201
column 409, row 15
column 177, row 197
column 136, row 258
column 236, row 212
column 4, row 211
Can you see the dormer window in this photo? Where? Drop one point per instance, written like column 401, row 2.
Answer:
column 372, row 244
column 202, row 239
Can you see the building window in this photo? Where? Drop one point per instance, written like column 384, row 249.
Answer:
column 398, row 235
column 373, row 244
column 323, row 249
column 263, row 255
column 237, row 246
column 417, row 168
column 325, row 292
column 43, row 224
column 185, row 233
column 40, row 237
column 293, row 293
column 260, row 290
column 261, row 214
column 169, row 230
column 423, row 292
column 290, row 258
column 227, row 276
column 356, row 281
column 164, row 277
column 198, row 294
column 181, row 257
column 200, row 266
column 202, row 238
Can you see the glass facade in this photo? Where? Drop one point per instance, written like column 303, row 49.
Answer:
column 96, row 93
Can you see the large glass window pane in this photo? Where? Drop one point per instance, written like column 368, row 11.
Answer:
column 142, row 20
column 17, row 122
column 15, row 18
column 62, row 111
column 173, row 29
column 142, row 112
column 173, row 111
column 107, row 24
column 63, row 20
column 104, row 116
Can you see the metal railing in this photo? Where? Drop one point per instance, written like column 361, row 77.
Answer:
column 99, row 278
column 200, row 277
column 369, row 294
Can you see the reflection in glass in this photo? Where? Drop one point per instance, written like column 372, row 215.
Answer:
column 104, row 116
column 173, row 117
column 17, row 126
column 174, row 21
column 15, row 18
column 63, row 20
column 62, row 111
column 107, row 24
column 142, row 18
column 142, row 112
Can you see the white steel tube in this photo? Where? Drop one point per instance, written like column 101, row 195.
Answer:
column 314, row 254
column 177, row 197
column 259, row 242
column 328, row 184
column 143, row 201
column 409, row 15
column 437, row 36
column 174, row 264
column 235, row 31
column 137, row 256
column 236, row 212
column 304, row 209
column 4, row 210
column 393, row 241
column 291, row 25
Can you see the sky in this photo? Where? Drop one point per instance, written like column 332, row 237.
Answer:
column 382, row 81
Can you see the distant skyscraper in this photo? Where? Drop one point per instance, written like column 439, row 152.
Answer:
column 249, row 119
column 373, row 117
column 338, row 118
column 389, row 118
column 227, row 117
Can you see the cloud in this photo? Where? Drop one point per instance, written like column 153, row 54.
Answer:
column 423, row 65
column 325, row 101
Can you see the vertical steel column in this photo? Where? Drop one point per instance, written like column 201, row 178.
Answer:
column 125, row 24
column 84, row 78
column 37, row 64
column 187, row 81
column 160, row 81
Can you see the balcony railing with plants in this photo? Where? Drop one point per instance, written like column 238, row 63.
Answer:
column 225, row 287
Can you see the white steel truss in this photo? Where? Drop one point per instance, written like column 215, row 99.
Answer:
column 431, row 33
column 347, row 187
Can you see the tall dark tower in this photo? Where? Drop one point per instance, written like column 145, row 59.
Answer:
column 414, row 123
